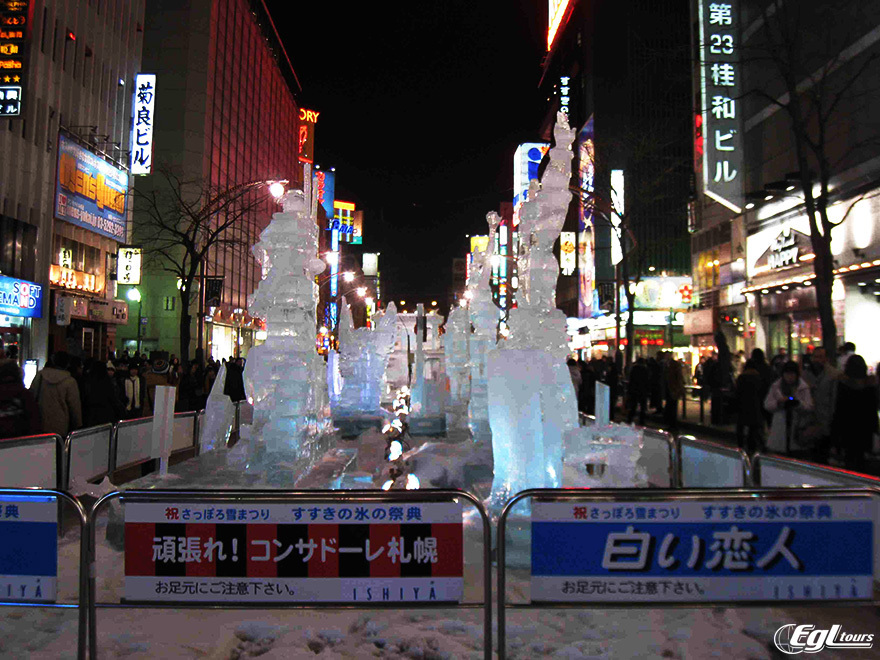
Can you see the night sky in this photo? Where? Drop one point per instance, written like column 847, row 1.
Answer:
column 422, row 106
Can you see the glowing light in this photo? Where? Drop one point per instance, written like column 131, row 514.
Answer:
column 133, row 295
column 395, row 450
column 433, row 303
column 362, row 291
column 276, row 189
column 412, row 482
column 348, row 276
column 468, row 294
column 323, row 330
column 332, row 258
column 387, row 485
column 556, row 14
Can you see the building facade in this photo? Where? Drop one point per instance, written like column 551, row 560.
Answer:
column 66, row 76
column 226, row 116
column 753, row 259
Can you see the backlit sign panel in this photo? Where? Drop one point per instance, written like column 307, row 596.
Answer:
column 15, row 35
column 325, row 189
column 721, row 123
column 567, row 250
column 557, row 14
column 142, row 123
column 371, row 264
column 20, row 298
column 617, row 212
column 306, row 135
column 586, row 182
column 128, row 265
column 357, row 225
column 89, row 191
column 343, row 220
column 526, row 161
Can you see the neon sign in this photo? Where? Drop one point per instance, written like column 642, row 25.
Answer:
column 15, row 31
column 557, row 14
column 142, row 125
column 20, row 297
column 306, row 135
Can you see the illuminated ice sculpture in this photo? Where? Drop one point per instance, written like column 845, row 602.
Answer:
column 285, row 377
column 363, row 357
column 484, row 317
column 532, row 402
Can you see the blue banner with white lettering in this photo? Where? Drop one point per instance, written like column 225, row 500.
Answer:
column 716, row 550
column 20, row 297
column 28, row 548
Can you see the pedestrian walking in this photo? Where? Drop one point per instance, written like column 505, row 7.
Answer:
column 790, row 402
column 58, row 396
column 19, row 412
column 102, row 404
column 674, row 381
column 750, row 397
column 637, row 389
column 855, row 414
column 822, row 377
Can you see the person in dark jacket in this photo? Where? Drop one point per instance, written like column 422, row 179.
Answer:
column 57, row 394
column 750, row 396
column 102, row 404
column 19, row 412
column 855, row 413
column 768, row 377
column 637, row 389
column 234, row 385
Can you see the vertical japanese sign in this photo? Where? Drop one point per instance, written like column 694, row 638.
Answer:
column 144, row 107
column 721, row 103
column 618, row 210
column 297, row 552
column 325, row 187
column 706, row 550
column 15, row 36
column 567, row 249
column 128, row 265
column 306, row 135
column 28, row 548
column 586, row 259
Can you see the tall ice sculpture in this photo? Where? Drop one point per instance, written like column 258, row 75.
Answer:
column 532, row 401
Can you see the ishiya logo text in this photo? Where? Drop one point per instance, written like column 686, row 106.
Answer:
column 24, row 295
column 793, row 639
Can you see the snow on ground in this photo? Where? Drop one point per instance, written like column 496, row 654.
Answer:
column 419, row 634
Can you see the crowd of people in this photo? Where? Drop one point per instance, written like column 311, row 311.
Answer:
column 70, row 393
column 814, row 409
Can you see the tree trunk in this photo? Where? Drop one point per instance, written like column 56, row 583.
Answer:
column 823, row 266
column 185, row 325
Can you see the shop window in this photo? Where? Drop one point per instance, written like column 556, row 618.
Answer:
column 17, row 245
column 170, row 302
column 76, row 256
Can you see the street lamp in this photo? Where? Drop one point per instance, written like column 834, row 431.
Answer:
column 135, row 296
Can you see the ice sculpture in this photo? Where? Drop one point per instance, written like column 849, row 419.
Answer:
column 285, row 377
column 532, row 402
column 605, row 456
column 456, row 343
column 362, row 360
column 484, row 317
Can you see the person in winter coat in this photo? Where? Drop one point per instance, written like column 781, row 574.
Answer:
column 767, row 377
column 750, row 396
column 137, row 402
column 637, row 390
column 57, row 394
column 822, row 378
column 674, row 386
column 855, row 414
column 19, row 412
column 790, row 402
column 234, row 385
column 102, row 402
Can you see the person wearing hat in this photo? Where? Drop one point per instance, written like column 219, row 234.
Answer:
column 158, row 374
column 790, row 402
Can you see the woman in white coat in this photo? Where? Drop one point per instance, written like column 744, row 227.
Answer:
column 790, row 402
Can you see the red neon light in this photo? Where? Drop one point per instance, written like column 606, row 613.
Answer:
column 557, row 14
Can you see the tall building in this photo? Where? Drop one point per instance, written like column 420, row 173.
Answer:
column 625, row 84
column 754, row 262
column 66, row 75
column 226, row 115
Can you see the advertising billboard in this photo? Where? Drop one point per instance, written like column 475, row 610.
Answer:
column 89, row 191
column 144, row 104
column 15, row 36
column 325, row 189
column 306, row 135
column 129, row 265
column 586, row 256
column 526, row 161
column 20, row 298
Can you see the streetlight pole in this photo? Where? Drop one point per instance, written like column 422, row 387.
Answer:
column 134, row 295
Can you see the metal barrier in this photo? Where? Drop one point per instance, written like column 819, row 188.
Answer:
column 637, row 495
column 133, row 443
column 706, row 464
column 185, row 431
column 88, row 453
column 32, row 461
column 659, row 447
column 283, row 497
column 82, row 574
column 781, row 472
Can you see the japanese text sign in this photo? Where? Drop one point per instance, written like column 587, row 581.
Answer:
column 262, row 552
column 28, row 548
column 90, row 192
column 703, row 550
column 20, row 297
column 306, row 135
column 721, row 87
column 144, row 106
column 128, row 265
column 15, row 34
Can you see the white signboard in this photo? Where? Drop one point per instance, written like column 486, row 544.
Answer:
column 142, row 123
column 567, row 249
column 128, row 266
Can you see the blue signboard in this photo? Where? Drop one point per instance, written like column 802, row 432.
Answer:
column 89, row 191
column 325, row 189
column 20, row 297
column 708, row 550
column 28, row 548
